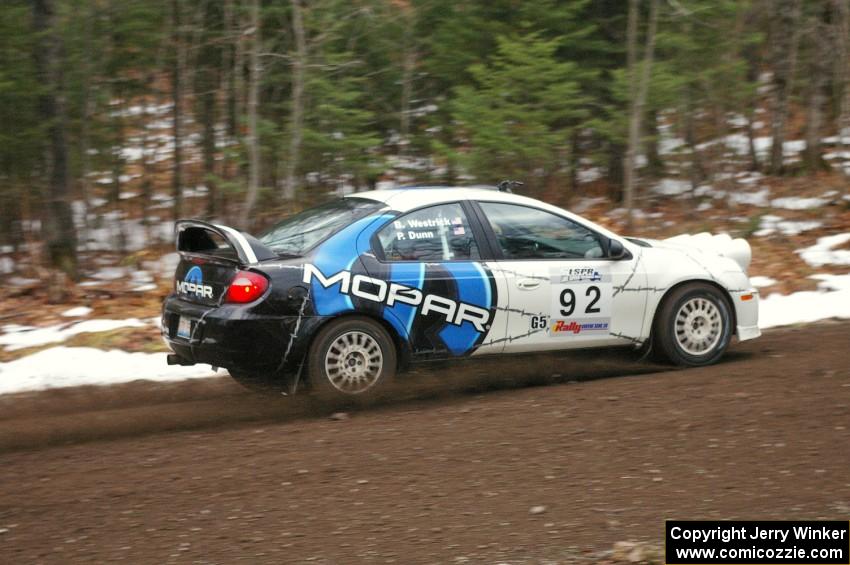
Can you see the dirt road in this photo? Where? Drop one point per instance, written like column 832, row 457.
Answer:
column 206, row 473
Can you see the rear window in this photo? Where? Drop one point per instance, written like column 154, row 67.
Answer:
column 297, row 234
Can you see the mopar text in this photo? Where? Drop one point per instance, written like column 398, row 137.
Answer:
column 390, row 293
column 200, row 290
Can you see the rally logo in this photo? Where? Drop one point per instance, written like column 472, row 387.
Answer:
column 573, row 327
column 390, row 293
column 581, row 274
column 193, row 283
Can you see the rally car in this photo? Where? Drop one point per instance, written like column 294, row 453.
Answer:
column 342, row 297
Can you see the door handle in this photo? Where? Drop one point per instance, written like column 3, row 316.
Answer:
column 528, row 284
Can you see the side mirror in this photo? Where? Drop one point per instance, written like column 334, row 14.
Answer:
column 616, row 250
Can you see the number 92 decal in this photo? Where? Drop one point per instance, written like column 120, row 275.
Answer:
column 581, row 303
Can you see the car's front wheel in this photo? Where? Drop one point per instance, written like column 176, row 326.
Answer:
column 694, row 326
column 352, row 358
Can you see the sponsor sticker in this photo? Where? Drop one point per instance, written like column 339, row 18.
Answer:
column 581, row 303
column 570, row 328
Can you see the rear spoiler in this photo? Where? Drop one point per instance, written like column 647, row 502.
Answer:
column 201, row 238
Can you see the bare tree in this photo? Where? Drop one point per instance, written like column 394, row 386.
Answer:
column 296, row 122
column 59, row 233
column 408, row 66
column 638, row 90
column 784, row 42
column 253, row 109
column 843, row 30
column 818, row 60
column 177, row 101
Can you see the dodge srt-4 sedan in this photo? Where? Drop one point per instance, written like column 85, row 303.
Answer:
column 343, row 296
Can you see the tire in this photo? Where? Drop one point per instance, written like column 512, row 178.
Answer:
column 352, row 358
column 694, row 325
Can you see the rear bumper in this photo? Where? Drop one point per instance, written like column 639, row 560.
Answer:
column 746, row 313
column 229, row 336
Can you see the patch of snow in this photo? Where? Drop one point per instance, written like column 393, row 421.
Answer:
column 20, row 281
column 144, row 287
column 749, row 177
column 6, row 265
column 76, row 366
column 737, row 120
column 672, row 187
column 740, row 145
column 586, row 202
column 758, row 198
column 668, row 145
column 822, row 252
column 771, row 224
column 34, row 337
column 77, row 311
column 110, row 273
column 385, row 185
column 831, row 300
column 761, row 282
column 589, row 175
column 798, row 203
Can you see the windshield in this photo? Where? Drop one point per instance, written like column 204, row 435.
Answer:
column 298, row 233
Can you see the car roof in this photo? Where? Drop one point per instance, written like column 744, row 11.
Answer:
column 404, row 199
column 409, row 198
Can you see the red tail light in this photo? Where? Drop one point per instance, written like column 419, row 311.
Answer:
column 247, row 286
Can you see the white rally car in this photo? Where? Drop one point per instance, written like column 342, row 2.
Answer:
column 344, row 295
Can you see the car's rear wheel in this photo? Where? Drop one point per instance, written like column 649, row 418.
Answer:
column 694, row 326
column 352, row 358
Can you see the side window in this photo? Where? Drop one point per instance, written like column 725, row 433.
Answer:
column 529, row 233
column 437, row 233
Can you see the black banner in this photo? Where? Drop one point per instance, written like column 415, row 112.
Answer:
column 696, row 542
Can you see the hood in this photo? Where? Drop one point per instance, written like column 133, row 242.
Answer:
column 722, row 244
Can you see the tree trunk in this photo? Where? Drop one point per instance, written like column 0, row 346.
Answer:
column 819, row 58
column 207, row 73
column 408, row 65
column 177, row 101
column 59, row 233
column 297, row 118
column 638, row 93
column 842, row 18
column 654, row 161
column 253, row 109
column 785, row 39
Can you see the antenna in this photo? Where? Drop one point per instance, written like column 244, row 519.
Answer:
column 509, row 185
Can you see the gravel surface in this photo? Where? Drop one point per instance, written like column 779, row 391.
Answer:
column 207, row 473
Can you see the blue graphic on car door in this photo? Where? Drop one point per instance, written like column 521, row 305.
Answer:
column 461, row 287
column 473, row 287
column 340, row 253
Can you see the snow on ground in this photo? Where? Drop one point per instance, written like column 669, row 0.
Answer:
column 831, row 300
column 672, row 187
column 798, row 203
column 62, row 366
column 770, row 224
column 77, row 312
column 823, row 252
column 761, row 282
column 20, row 337
column 589, row 175
column 76, row 366
column 758, row 198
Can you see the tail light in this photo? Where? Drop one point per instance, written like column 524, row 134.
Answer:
column 246, row 286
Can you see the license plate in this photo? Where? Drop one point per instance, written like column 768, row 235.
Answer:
column 184, row 328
